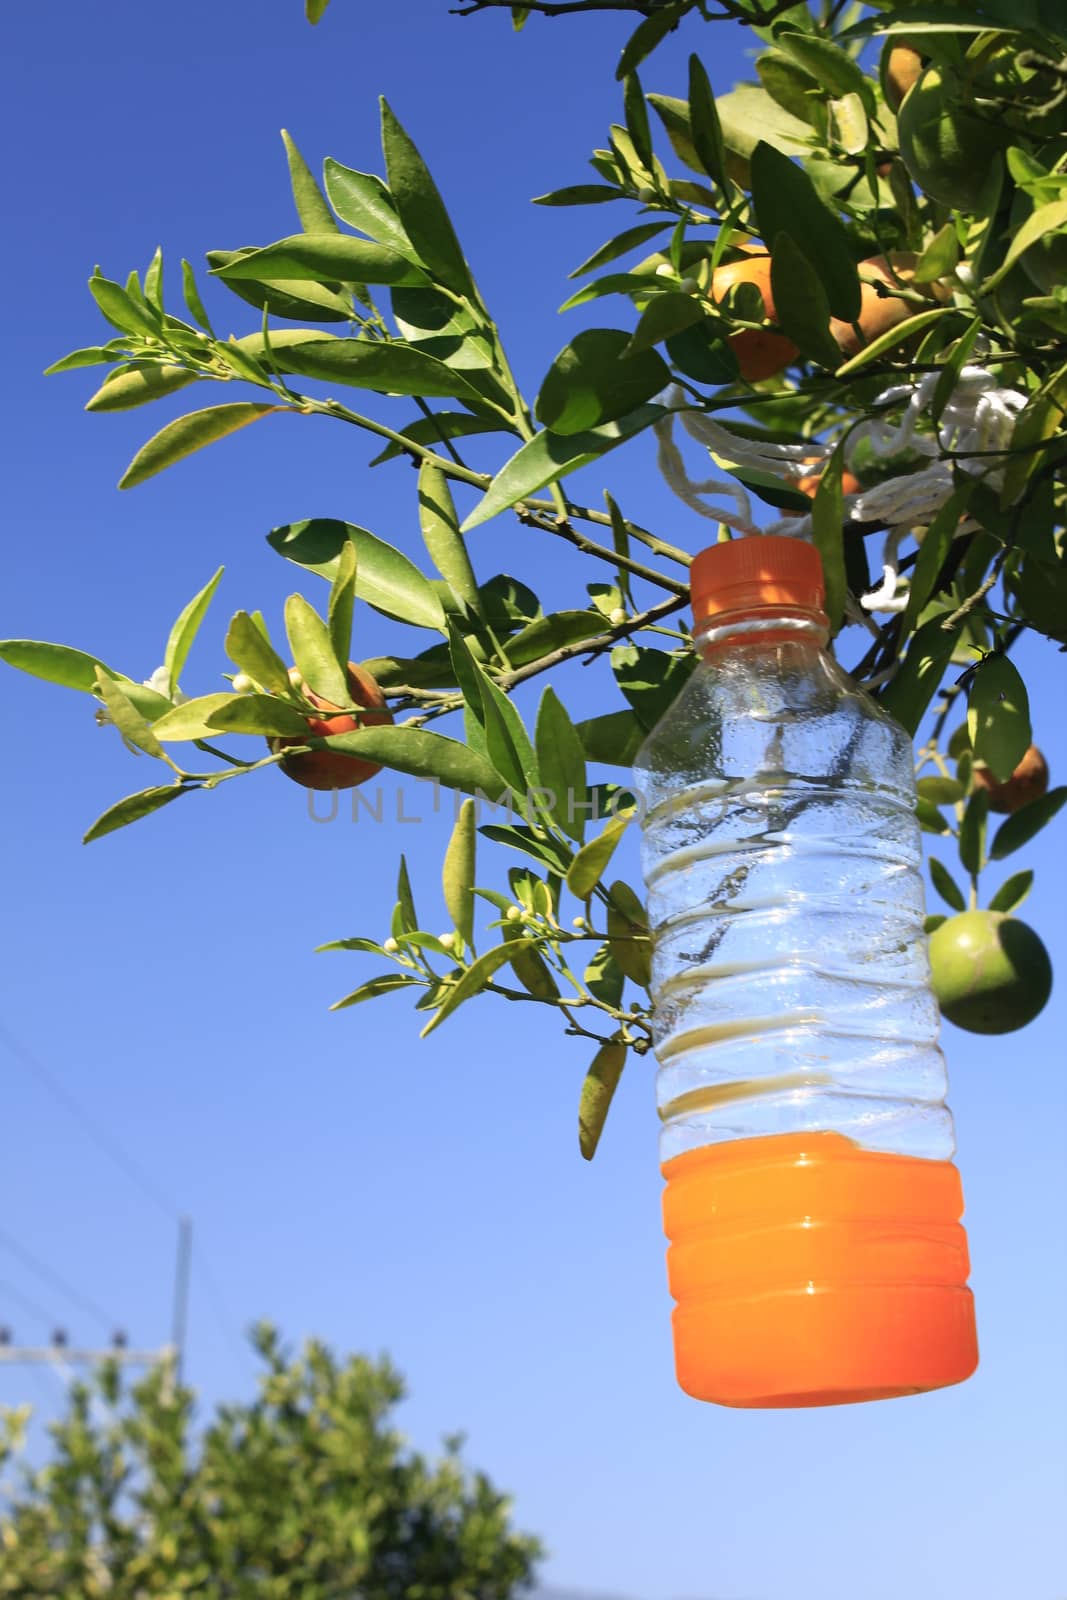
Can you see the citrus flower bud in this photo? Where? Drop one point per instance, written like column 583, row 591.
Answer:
column 617, row 617
column 390, row 947
column 579, row 922
column 689, row 286
column 296, row 677
column 514, row 913
column 448, row 940
column 665, row 270
column 242, row 683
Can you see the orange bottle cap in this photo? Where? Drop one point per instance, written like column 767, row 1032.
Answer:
column 759, row 573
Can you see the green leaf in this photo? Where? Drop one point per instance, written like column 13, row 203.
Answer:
column 613, row 739
column 946, row 885
column 628, row 937
column 55, row 663
column 527, row 962
column 637, row 118
column 548, row 457
column 315, row 10
column 257, row 713
column 593, row 381
column 929, row 817
column 386, row 368
column 648, row 34
column 1012, row 892
column 424, row 755
column 955, row 361
column 342, row 603
column 385, row 578
column 827, row 531
column 472, row 982
column 326, row 258
column 441, row 536
column 386, row 982
column 998, row 716
column 580, row 194
column 122, row 310
column 134, row 386
column 940, row 257
column 361, row 946
column 800, row 303
column 548, row 852
column 701, row 352
column 1026, row 823
column 603, row 977
column 185, row 435
column 663, row 317
column 623, row 242
column 786, row 202
column 457, row 876
column 134, row 807
column 94, row 355
column 124, row 714
column 363, row 201
column 748, row 115
column 827, row 63
column 314, row 214
column 907, row 696
column 407, row 916
column 704, row 127
column 932, row 552
column 442, row 425
column 892, row 338
column 598, row 1090
column 506, row 740
column 313, row 652
column 561, row 764
column 186, row 628
column 192, row 298
column 556, row 631
column 189, row 719
column 1044, row 220
column 940, row 791
column 589, row 864
column 421, row 209
column 296, row 299
column 972, row 833
column 251, row 651
column 651, row 680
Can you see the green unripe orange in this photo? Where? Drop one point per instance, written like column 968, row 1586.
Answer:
column 991, row 972
column 947, row 147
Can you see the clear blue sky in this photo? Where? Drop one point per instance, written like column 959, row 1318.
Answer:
column 345, row 1179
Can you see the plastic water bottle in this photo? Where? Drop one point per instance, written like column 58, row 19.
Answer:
column 812, row 1207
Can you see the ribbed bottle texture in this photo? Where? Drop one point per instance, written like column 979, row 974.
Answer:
column 812, row 1207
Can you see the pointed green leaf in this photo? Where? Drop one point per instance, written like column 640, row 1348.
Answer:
column 363, row 201
column 457, row 876
column 424, row 755
column 506, row 740
column 472, row 982
column 548, row 457
column 327, row 258
column 121, row 309
column 898, row 335
column 704, row 128
column 800, row 302
column 628, row 939
column 314, row 214
column 421, row 210
column 189, row 720
column 134, row 386
column 580, row 194
column 126, row 717
column 1026, row 823
column 946, row 885
column 827, row 531
column 405, row 900
column 665, row 315
column 1012, row 892
column 313, row 652
column 623, row 242
column 192, row 298
column 386, row 368
column 1044, row 220
column 786, row 202
column 188, row 434
column 590, row 863
column 598, row 1090
column 558, row 630
column 561, row 764
column 186, row 628
column 134, row 807
column 637, row 118
column 342, row 604
column 385, row 983
column 55, row 663
column 648, row 34
column 998, row 716
column 940, row 257
column 613, row 739
column 972, row 833
column 826, row 62
column 95, row 355
column 251, row 651
column 257, row 713
column 385, row 578
column 593, row 381
column 442, row 538
column 907, row 696
column 932, row 553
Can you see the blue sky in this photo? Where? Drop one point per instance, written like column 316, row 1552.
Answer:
column 345, row 1179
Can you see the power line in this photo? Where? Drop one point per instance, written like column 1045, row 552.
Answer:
column 29, row 1306
column 55, row 1281
column 122, row 1159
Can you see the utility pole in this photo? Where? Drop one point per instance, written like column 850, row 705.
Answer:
column 180, row 1318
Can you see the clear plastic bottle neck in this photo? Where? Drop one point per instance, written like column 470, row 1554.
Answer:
column 770, row 627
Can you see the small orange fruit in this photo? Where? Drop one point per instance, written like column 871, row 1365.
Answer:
column 1028, row 782
column 760, row 354
column 332, row 769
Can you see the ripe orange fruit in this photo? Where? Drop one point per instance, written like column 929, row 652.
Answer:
column 808, row 484
column 991, row 972
column 903, row 68
column 332, row 769
column 880, row 312
column 1028, row 782
column 759, row 354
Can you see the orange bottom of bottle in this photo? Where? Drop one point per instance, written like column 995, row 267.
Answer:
column 809, row 1271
